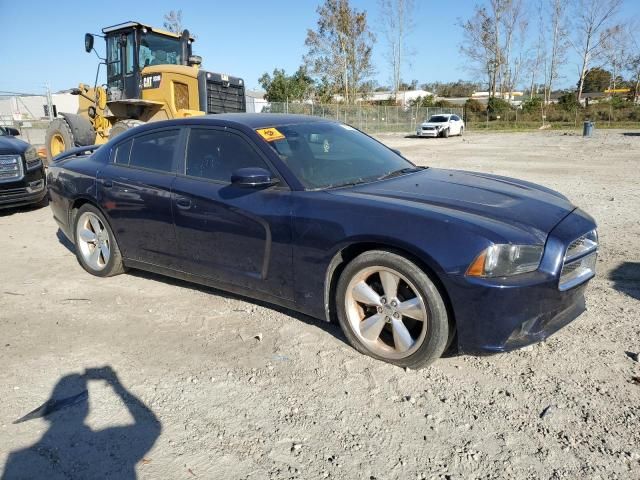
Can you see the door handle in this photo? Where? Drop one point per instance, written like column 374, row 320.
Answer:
column 183, row 203
column 107, row 184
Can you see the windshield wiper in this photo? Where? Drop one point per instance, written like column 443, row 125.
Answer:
column 350, row 183
column 402, row 171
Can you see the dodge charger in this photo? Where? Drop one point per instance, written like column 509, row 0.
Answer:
column 320, row 218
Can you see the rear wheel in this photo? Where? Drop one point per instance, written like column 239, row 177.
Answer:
column 96, row 246
column 124, row 125
column 461, row 131
column 389, row 309
column 59, row 138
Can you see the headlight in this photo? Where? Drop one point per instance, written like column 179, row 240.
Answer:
column 31, row 157
column 506, row 260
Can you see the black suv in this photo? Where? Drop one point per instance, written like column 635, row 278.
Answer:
column 22, row 177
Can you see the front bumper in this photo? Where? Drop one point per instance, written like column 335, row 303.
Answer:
column 31, row 189
column 427, row 133
column 499, row 315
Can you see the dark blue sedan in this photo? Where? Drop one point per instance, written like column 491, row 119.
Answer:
column 316, row 216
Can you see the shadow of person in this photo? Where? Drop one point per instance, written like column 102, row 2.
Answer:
column 70, row 449
column 626, row 278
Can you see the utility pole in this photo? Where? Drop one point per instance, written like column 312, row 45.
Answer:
column 49, row 102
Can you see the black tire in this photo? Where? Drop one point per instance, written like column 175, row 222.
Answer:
column 124, row 125
column 59, row 130
column 115, row 265
column 445, row 133
column 438, row 330
column 461, row 131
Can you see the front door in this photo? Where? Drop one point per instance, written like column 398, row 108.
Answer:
column 231, row 234
column 135, row 191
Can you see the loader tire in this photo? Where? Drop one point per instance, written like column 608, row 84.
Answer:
column 59, row 138
column 124, row 125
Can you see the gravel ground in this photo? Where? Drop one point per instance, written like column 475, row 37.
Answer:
column 210, row 385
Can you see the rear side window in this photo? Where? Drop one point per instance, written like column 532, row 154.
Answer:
column 455, row 118
column 216, row 154
column 121, row 153
column 155, row 150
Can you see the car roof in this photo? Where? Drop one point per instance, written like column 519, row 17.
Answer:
column 252, row 121
column 262, row 120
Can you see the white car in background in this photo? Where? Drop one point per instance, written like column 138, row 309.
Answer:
column 441, row 125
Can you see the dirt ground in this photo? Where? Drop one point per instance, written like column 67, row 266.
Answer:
column 210, row 385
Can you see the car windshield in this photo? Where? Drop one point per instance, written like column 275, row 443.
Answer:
column 438, row 119
column 326, row 155
column 158, row 49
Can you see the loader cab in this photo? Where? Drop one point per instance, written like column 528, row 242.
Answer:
column 132, row 46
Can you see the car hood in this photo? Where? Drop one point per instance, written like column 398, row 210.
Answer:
column 10, row 144
column 515, row 202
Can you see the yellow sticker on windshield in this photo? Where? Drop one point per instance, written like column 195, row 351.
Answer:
column 270, row 134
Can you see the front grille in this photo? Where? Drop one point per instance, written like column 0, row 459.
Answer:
column 12, row 192
column 428, row 128
column 10, row 168
column 224, row 98
column 579, row 263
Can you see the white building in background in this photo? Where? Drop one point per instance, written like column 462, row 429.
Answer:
column 31, row 107
column 404, row 98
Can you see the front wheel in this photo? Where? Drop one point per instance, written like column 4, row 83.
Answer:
column 445, row 133
column 96, row 246
column 390, row 309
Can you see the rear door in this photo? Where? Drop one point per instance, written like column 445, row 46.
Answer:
column 135, row 191
column 231, row 234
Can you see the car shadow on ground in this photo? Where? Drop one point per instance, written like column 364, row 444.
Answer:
column 631, row 134
column 7, row 212
column 332, row 328
column 70, row 448
column 626, row 278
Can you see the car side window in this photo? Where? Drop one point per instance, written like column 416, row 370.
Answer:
column 121, row 153
column 216, row 154
column 155, row 150
column 455, row 118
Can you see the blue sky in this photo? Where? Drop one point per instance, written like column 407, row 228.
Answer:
column 43, row 40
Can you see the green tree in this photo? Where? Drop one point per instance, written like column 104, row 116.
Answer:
column 569, row 102
column 281, row 87
column 498, row 105
column 532, row 105
column 596, row 80
column 474, row 106
column 339, row 49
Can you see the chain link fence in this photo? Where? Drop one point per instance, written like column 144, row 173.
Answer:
column 368, row 118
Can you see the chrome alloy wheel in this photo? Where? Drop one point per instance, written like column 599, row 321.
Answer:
column 386, row 312
column 93, row 241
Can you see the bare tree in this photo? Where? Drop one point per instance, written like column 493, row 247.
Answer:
column 495, row 42
column 173, row 21
column 616, row 51
column 513, row 23
column 397, row 21
column 593, row 28
column 481, row 46
column 340, row 47
column 633, row 63
column 557, row 32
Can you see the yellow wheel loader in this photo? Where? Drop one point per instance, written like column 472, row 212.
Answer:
column 151, row 75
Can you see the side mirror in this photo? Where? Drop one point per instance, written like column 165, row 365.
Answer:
column 88, row 42
column 397, row 152
column 253, row 177
column 12, row 131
